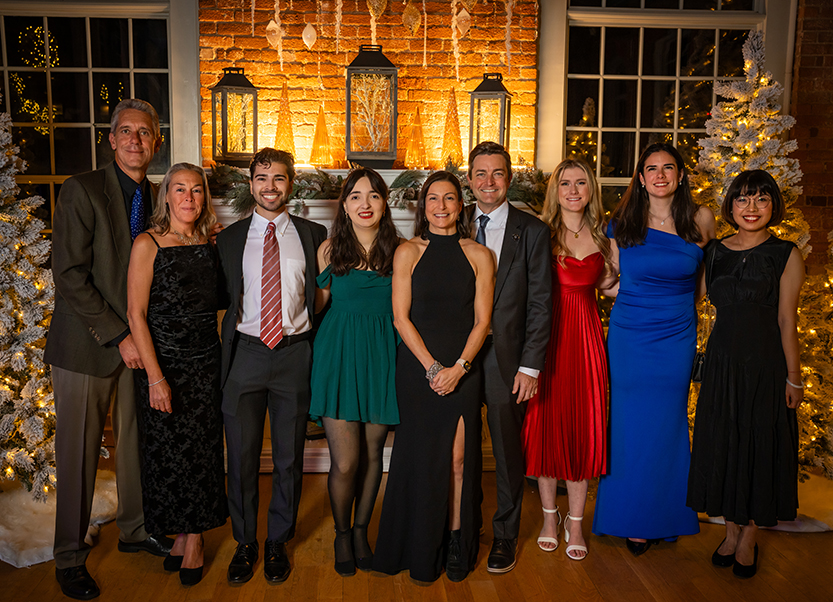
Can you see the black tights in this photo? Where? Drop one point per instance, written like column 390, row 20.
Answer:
column 356, row 450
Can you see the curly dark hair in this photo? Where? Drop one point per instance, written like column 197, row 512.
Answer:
column 755, row 181
column 345, row 252
column 266, row 156
column 630, row 218
column 420, row 221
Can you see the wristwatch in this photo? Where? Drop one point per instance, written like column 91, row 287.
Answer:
column 466, row 366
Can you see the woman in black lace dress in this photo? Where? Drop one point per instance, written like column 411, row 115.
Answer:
column 172, row 311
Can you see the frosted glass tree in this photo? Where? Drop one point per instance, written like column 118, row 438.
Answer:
column 27, row 294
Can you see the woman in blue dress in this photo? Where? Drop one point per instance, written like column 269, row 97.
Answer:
column 354, row 359
column 657, row 234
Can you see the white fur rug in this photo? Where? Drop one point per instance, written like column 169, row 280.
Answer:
column 27, row 527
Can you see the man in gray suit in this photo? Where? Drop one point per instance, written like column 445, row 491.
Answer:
column 514, row 353
column 89, row 345
column 269, row 267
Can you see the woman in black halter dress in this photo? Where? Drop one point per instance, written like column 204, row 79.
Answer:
column 442, row 297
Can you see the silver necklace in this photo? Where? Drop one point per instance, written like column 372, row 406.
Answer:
column 188, row 240
column 662, row 221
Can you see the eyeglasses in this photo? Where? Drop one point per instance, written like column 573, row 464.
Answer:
column 761, row 202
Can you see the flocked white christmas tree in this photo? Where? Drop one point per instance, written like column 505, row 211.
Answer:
column 27, row 411
column 748, row 132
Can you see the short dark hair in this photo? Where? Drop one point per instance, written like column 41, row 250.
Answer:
column 420, row 221
column 754, row 181
column 266, row 156
column 490, row 148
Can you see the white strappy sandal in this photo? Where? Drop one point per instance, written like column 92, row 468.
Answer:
column 574, row 547
column 552, row 540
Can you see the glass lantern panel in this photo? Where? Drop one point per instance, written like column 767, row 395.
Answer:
column 371, row 113
column 217, row 116
column 487, row 120
column 241, row 117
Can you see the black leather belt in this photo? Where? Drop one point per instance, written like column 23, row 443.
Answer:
column 286, row 341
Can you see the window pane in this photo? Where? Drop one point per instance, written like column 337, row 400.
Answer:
column 44, row 212
column 585, row 2
column 621, row 51
column 69, row 42
column 70, row 97
column 646, row 139
column 662, row 3
column 701, row 4
column 659, row 54
column 34, row 149
column 582, row 145
column 153, row 87
column 72, row 151
column 657, row 110
column 697, row 52
column 618, row 152
column 689, row 149
column 619, row 103
column 585, row 43
column 580, row 92
column 695, row 104
column 738, row 4
column 109, row 89
column 162, row 159
column 28, row 97
column 611, row 195
column 24, row 37
column 730, row 59
column 108, row 43
column 150, row 44
column 103, row 151
column 622, row 3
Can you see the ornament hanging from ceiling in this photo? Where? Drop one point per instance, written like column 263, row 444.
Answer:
column 253, row 17
column 274, row 32
column 411, row 18
column 509, row 4
column 463, row 22
column 339, row 8
column 452, row 146
column 454, row 43
column 309, row 36
column 376, row 8
column 284, row 138
column 469, row 4
column 424, row 36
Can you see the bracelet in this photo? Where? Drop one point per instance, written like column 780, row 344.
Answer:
column 433, row 370
column 163, row 378
column 795, row 386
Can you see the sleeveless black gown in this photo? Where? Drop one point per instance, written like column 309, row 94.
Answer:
column 183, row 479
column 413, row 529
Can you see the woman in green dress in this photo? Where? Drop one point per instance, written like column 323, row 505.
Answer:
column 354, row 359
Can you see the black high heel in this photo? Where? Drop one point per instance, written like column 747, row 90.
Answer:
column 637, row 548
column 172, row 563
column 190, row 576
column 361, row 548
column 723, row 560
column 343, row 546
column 745, row 571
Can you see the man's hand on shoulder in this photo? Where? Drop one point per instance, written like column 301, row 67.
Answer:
column 525, row 386
column 130, row 353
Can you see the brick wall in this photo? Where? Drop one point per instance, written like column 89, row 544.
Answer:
column 226, row 40
column 812, row 106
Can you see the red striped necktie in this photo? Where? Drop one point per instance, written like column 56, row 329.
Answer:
column 271, row 315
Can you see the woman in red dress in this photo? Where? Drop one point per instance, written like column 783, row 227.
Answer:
column 565, row 428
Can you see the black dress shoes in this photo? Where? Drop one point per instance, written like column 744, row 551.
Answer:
column 637, row 548
column 77, row 583
column 502, row 556
column 158, row 545
column 746, row 570
column 275, row 562
column 241, row 567
column 722, row 560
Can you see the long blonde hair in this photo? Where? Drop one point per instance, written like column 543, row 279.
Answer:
column 593, row 213
column 161, row 218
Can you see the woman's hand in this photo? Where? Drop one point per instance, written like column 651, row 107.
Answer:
column 794, row 396
column 446, row 380
column 160, row 397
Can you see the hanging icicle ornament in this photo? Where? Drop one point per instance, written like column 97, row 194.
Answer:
column 318, row 58
column 253, row 17
column 376, row 8
column 411, row 18
column 424, row 36
column 274, row 33
column 509, row 4
column 339, row 8
column 463, row 22
column 454, row 43
column 309, row 36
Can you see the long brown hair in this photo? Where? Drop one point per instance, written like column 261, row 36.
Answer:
column 630, row 218
column 346, row 252
column 593, row 213
column 161, row 217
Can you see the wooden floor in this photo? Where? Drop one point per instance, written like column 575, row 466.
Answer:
column 792, row 567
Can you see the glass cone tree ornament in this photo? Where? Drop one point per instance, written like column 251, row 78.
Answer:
column 284, row 137
column 452, row 149
column 321, row 155
column 415, row 157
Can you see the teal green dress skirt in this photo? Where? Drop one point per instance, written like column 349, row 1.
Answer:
column 354, row 354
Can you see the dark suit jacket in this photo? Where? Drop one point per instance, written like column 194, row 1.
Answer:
column 522, row 312
column 90, row 252
column 230, row 244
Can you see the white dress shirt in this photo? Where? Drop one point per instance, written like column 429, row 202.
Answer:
column 296, row 318
column 495, row 231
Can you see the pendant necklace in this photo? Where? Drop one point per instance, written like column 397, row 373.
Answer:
column 662, row 221
column 188, row 240
column 575, row 232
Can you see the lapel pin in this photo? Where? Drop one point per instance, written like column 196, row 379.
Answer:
column 516, row 236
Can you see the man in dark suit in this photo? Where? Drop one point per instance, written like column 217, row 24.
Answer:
column 269, row 266
column 514, row 353
column 90, row 348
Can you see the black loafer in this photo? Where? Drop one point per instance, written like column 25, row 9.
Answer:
column 502, row 556
column 637, row 548
column 744, row 571
column 241, row 567
column 77, row 583
column 154, row 544
column 275, row 562
column 723, row 560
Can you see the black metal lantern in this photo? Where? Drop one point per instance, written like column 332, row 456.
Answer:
column 372, row 84
column 234, row 118
column 490, row 110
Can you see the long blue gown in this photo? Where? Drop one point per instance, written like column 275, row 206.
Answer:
column 651, row 344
